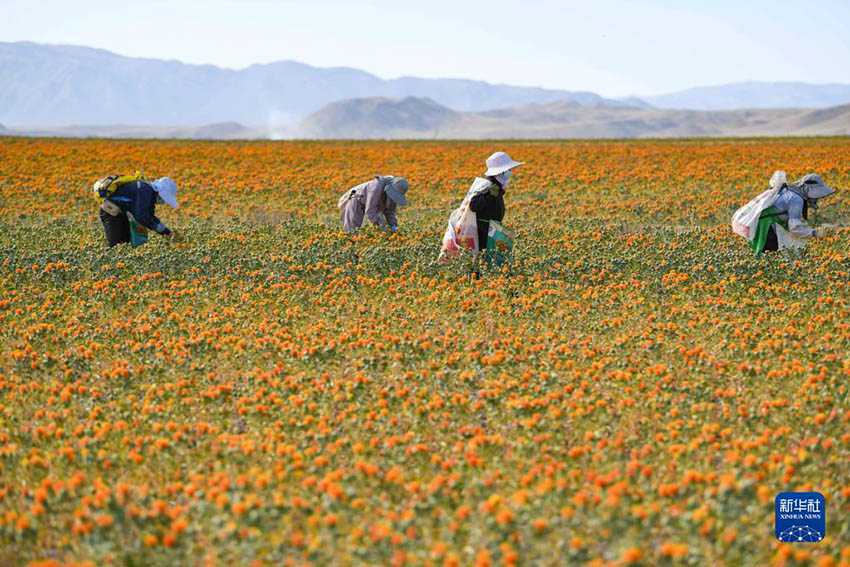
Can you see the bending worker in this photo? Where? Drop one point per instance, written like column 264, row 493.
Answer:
column 782, row 225
column 375, row 200
column 137, row 198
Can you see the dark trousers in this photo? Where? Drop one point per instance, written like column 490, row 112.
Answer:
column 117, row 229
column 772, row 243
column 483, row 230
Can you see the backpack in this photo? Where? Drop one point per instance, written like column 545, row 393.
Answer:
column 105, row 187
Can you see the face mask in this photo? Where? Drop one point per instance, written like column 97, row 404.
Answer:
column 504, row 178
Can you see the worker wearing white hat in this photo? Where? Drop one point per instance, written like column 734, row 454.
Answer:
column 784, row 223
column 166, row 190
column 137, row 198
column 489, row 200
column 500, row 163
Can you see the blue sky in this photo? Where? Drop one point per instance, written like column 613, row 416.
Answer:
column 614, row 48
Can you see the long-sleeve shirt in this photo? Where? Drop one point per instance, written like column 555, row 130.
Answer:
column 791, row 206
column 139, row 199
column 370, row 202
column 487, row 207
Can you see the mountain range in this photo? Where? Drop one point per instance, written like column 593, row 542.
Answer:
column 61, row 86
column 58, row 85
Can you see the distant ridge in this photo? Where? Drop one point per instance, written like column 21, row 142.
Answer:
column 221, row 131
column 754, row 94
column 423, row 118
column 378, row 117
column 412, row 117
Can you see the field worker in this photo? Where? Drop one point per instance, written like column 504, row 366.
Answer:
column 783, row 224
column 375, row 201
column 489, row 201
column 139, row 198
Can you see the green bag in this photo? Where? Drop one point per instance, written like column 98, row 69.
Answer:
column 500, row 243
column 138, row 233
column 768, row 217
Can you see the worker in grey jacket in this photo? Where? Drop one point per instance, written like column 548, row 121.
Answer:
column 792, row 205
column 375, row 201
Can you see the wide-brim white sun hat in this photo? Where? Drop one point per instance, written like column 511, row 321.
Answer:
column 500, row 162
column 167, row 190
column 396, row 190
column 813, row 187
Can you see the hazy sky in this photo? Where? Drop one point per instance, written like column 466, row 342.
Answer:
column 614, row 48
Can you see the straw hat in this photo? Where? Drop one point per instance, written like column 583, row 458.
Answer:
column 500, row 162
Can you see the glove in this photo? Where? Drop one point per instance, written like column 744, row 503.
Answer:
column 495, row 190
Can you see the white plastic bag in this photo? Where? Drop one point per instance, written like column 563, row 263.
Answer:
column 462, row 230
column 746, row 219
column 461, row 233
column 778, row 180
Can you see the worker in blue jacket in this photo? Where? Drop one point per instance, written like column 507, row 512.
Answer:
column 138, row 198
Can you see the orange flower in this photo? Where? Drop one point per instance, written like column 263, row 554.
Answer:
column 632, row 555
column 674, row 550
column 504, row 516
column 169, row 539
column 482, row 559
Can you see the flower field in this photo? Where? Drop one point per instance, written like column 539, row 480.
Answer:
column 634, row 389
